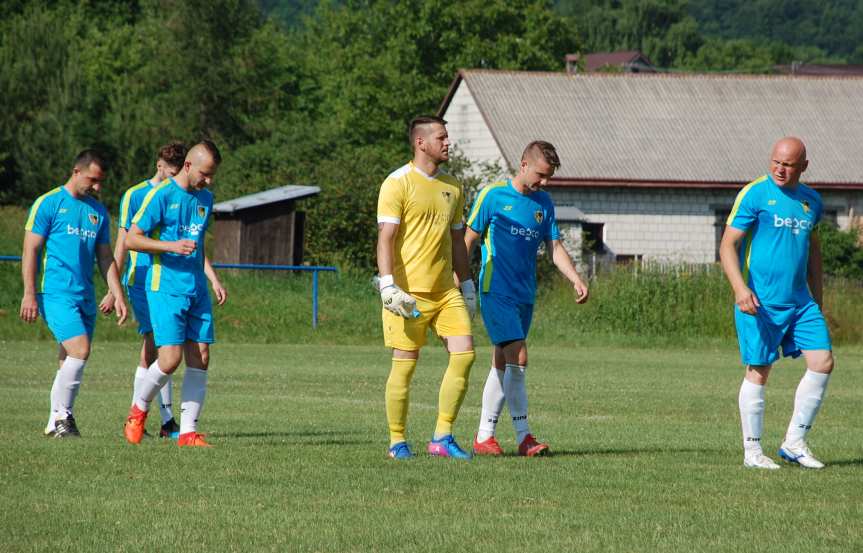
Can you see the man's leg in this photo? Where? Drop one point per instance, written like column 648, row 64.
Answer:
column 750, row 401
column 807, row 402
column 397, row 394
column 492, row 405
column 515, row 390
column 157, row 375
column 194, row 392
column 74, row 353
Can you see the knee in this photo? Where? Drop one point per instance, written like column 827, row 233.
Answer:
column 204, row 360
column 823, row 366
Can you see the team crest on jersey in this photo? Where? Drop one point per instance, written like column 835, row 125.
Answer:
column 538, row 216
column 94, row 219
column 447, row 196
column 806, row 208
column 202, row 211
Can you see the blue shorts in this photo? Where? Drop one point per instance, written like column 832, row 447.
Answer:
column 138, row 299
column 505, row 319
column 68, row 316
column 177, row 319
column 795, row 328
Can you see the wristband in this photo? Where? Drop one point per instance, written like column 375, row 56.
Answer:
column 385, row 281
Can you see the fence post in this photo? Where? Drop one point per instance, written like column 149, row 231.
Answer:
column 314, row 299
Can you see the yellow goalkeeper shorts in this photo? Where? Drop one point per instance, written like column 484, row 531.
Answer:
column 445, row 312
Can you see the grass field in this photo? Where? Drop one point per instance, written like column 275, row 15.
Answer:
column 646, row 442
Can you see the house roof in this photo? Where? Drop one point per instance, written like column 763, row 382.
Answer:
column 679, row 130
column 271, row 196
column 598, row 60
column 821, row 69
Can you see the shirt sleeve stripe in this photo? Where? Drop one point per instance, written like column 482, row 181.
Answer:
column 385, row 219
column 479, row 199
column 127, row 199
column 33, row 210
column 739, row 199
column 147, row 199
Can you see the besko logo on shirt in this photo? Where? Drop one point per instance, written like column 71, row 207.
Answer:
column 83, row 233
column 194, row 229
column 792, row 223
column 526, row 232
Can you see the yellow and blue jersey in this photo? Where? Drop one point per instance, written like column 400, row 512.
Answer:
column 72, row 228
column 514, row 225
column 137, row 263
column 170, row 213
column 774, row 254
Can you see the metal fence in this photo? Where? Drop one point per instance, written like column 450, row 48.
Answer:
column 314, row 269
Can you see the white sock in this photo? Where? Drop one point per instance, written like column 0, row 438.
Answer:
column 194, row 392
column 751, row 403
column 166, row 396
column 516, row 398
column 492, row 404
column 51, row 420
column 807, row 401
column 150, row 386
column 68, row 382
column 140, row 375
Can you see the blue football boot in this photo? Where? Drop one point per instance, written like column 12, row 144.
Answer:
column 446, row 447
column 400, row 451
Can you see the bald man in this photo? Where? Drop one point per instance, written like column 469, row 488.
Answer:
column 181, row 312
column 420, row 243
column 771, row 256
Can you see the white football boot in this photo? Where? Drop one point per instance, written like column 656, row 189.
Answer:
column 799, row 453
column 757, row 460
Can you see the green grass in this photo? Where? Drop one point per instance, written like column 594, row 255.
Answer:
column 647, row 459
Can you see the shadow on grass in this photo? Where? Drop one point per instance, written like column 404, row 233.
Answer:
column 845, row 463
column 633, row 451
column 305, row 437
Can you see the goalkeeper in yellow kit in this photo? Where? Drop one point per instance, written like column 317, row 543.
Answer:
column 420, row 243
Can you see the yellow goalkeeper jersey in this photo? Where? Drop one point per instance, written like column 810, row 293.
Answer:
column 426, row 208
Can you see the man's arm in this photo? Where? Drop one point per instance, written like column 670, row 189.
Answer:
column 112, row 277
column 470, row 239
column 815, row 273
column 218, row 289
column 386, row 247
column 107, row 303
column 33, row 244
column 561, row 259
column 138, row 241
column 728, row 257
column 460, row 263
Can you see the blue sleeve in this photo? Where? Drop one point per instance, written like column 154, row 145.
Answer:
column 149, row 216
column 41, row 216
column 552, row 232
column 744, row 213
column 104, row 234
column 482, row 211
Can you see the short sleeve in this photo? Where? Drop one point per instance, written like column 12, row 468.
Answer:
column 552, row 232
column 41, row 216
column 457, row 220
column 483, row 209
column 104, row 234
column 391, row 202
column 744, row 213
column 124, row 217
column 149, row 216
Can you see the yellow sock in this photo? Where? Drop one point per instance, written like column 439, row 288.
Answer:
column 397, row 395
column 452, row 391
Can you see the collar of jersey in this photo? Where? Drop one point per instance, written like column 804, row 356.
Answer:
column 423, row 173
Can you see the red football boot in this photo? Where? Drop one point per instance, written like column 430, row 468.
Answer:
column 529, row 447
column 487, row 447
column 135, row 423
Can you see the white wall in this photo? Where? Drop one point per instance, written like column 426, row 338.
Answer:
column 468, row 131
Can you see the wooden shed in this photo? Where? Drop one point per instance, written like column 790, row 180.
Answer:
column 264, row 227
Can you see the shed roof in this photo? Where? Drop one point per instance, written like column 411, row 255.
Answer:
column 271, row 196
column 692, row 130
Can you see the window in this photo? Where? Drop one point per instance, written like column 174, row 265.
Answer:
column 591, row 238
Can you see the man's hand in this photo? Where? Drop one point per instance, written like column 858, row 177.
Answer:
column 468, row 292
column 746, row 300
column 395, row 299
column 120, row 308
column 29, row 308
column 184, row 247
column 106, row 306
column 220, row 292
column 581, row 292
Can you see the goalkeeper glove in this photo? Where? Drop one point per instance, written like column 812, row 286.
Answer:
column 468, row 292
column 397, row 300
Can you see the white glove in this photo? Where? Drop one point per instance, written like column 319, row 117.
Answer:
column 395, row 299
column 468, row 292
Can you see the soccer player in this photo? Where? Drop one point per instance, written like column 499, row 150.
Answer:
column 516, row 217
column 175, row 214
column 170, row 160
column 771, row 256
column 420, row 242
column 66, row 232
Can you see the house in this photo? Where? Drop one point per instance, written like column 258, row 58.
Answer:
column 631, row 61
column 651, row 163
column 262, row 228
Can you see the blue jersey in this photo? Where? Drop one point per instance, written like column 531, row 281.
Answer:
column 137, row 263
column 514, row 224
column 774, row 254
column 72, row 228
column 170, row 213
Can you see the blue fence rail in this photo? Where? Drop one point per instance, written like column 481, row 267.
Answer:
column 314, row 269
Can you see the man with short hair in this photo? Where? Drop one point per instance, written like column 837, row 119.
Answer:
column 516, row 217
column 169, row 161
column 179, row 304
column 70, row 229
column 772, row 258
column 420, row 242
